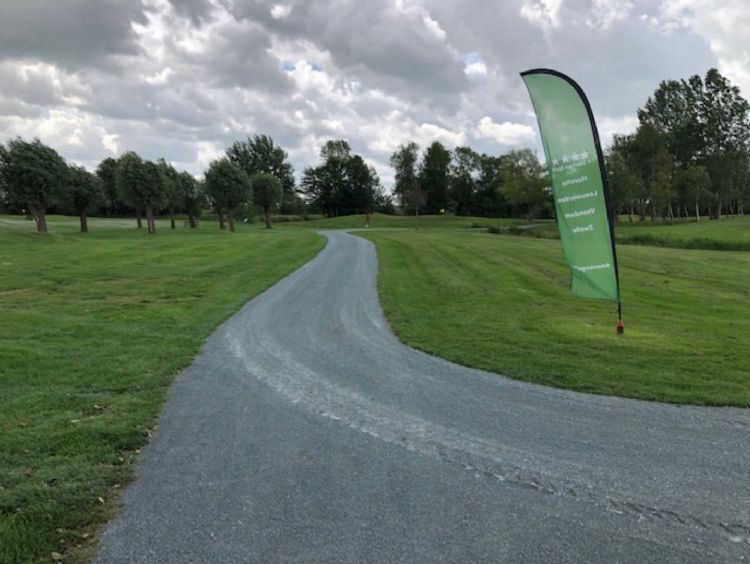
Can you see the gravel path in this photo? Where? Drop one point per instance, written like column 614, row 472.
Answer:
column 306, row 432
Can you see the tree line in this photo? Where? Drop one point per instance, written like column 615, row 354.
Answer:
column 690, row 155
column 464, row 182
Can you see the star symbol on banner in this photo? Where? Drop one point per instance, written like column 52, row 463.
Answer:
column 565, row 159
column 584, row 155
column 556, row 161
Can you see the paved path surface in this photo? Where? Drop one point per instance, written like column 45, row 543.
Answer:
column 306, row 432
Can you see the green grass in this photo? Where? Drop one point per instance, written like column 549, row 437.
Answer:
column 380, row 220
column 94, row 328
column 726, row 234
column 502, row 304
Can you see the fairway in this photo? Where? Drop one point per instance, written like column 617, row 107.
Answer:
column 502, row 304
column 94, row 328
column 726, row 234
column 379, row 221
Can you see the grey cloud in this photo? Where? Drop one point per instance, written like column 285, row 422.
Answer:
column 72, row 33
column 375, row 41
column 197, row 11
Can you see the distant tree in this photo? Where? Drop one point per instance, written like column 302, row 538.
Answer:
column 259, row 154
column 267, row 194
column 694, row 185
column 171, row 188
column 342, row 184
column 705, row 122
column 625, row 185
column 191, row 196
column 33, row 175
column 463, row 169
column 139, row 184
column 434, row 177
column 84, row 192
column 489, row 201
column 107, row 172
column 228, row 187
column 525, row 182
column 405, row 162
column 415, row 199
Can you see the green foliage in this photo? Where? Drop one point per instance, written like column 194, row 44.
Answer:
column 343, row 184
column 192, row 196
column 267, row 194
column 107, row 174
column 703, row 122
column 443, row 292
column 33, row 175
column 434, row 177
column 404, row 161
column 93, row 332
column 259, row 154
column 84, row 193
column 228, row 187
column 525, row 181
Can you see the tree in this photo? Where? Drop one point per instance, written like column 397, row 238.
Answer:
column 343, row 183
column 259, row 154
column 434, row 177
column 139, row 184
column 172, row 193
column 705, row 122
column 33, row 175
column 526, row 183
column 694, row 185
column 404, row 162
column 625, row 185
column 85, row 193
column 191, row 196
column 106, row 172
column 489, row 201
column 462, row 183
column 228, row 187
column 267, row 194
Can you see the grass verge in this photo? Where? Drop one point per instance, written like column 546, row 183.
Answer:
column 94, row 328
column 727, row 234
column 502, row 304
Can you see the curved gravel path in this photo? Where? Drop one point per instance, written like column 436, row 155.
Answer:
column 306, row 432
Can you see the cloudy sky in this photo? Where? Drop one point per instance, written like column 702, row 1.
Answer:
column 182, row 79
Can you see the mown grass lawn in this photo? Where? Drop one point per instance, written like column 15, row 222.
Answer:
column 727, row 234
column 502, row 304
column 379, row 220
column 93, row 329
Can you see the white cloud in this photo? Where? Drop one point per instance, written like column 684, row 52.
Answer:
column 475, row 69
column 505, row 133
column 280, row 11
column 605, row 13
column 723, row 25
column 542, row 13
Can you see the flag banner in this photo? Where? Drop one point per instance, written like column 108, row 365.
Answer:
column 579, row 182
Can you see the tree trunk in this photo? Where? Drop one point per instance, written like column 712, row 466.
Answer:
column 641, row 210
column 191, row 221
column 221, row 219
column 718, row 211
column 630, row 213
column 84, row 222
column 267, row 213
column 138, row 220
column 697, row 211
column 171, row 219
column 40, row 218
column 230, row 217
column 150, row 220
